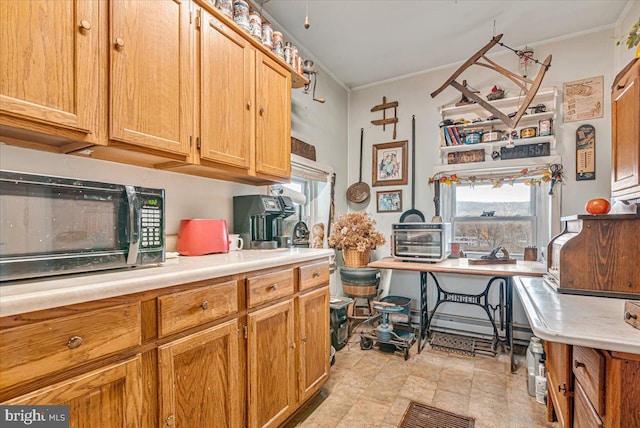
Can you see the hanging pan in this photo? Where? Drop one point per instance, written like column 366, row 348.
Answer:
column 359, row 192
column 413, row 215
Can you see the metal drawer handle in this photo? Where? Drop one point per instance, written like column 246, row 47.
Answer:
column 316, row 274
column 119, row 43
column 74, row 342
column 618, row 87
column 85, row 25
column 578, row 364
column 304, row 339
column 204, row 305
column 628, row 315
column 261, row 111
column 169, row 420
column 273, row 287
column 562, row 388
column 248, row 105
column 293, row 345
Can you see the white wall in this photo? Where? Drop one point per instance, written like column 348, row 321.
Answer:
column 575, row 58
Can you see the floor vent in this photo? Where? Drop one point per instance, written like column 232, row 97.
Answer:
column 420, row 415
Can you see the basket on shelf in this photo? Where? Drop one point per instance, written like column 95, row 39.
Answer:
column 355, row 258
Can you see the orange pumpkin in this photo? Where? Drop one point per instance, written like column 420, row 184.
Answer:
column 598, row 206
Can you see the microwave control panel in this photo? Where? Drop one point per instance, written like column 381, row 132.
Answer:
column 151, row 213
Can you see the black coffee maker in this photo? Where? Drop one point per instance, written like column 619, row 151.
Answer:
column 258, row 218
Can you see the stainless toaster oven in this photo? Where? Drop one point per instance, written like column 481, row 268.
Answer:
column 429, row 242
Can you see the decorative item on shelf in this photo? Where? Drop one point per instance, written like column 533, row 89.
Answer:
column 387, row 121
column 465, row 157
column 525, row 151
column 586, row 153
column 300, row 67
column 255, row 25
column 539, row 108
column 278, row 44
column 354, row 232
column 303, row 149
column 312, row 73
column 287, row 52
column 465, row 100
column 241, row 14
column 546, row 127
column 528, row 132
column 495, row 155
column 267, row 35
column 294, row 57
column 491, row 136
column 520, row 81
column 532, row 177
column 495, row 94
column 389, row 164
column 389, row 201
column 226, row 7
column 473, row 137
column 633, row 38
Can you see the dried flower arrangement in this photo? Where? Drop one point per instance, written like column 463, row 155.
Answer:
column 355, row 231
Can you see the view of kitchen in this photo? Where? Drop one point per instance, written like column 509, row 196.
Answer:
column 284, row 213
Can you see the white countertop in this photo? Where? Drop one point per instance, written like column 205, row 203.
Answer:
column 26, row 296
column 596, row 322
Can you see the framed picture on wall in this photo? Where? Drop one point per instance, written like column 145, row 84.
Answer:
column 389, row 164
column 389, row 201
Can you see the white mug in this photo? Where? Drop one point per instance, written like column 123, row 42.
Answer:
column 235, row 243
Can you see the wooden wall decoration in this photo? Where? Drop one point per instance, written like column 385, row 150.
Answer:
column 521, row 81
column 387, row 121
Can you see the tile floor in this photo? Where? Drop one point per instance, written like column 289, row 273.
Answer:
column 373, row 389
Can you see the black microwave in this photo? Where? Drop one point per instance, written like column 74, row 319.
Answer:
column 55, row 225
column 430, row 242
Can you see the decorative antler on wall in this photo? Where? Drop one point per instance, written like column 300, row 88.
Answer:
column 515, row 78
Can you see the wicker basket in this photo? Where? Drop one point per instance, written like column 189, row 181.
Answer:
column 355, row 258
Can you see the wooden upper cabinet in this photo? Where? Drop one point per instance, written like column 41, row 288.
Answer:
column 273, row 119
column 227, row 76
column 48, row 57
column 625, row 114
column 150, row 74
column 110, row 397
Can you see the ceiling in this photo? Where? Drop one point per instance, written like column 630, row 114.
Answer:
column 361, row 42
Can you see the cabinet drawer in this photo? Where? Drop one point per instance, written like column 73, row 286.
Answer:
column 186, row 309
column 270, row 286
column 588, row 368
column 33, row 350
column 584, row 415
column 314, row 274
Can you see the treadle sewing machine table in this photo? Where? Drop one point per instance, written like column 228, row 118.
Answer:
column 499, row 273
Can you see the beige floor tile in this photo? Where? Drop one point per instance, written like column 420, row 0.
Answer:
column 373, row 389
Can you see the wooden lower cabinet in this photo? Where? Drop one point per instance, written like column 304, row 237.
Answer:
column 312, row 319
column 271, row 364
column 559, row 382
column 199, row 380
column 592, row 388
column 108, row 397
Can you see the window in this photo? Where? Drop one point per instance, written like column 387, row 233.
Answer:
column 484, row 217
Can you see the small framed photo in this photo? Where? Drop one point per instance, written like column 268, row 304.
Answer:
column 389, row 201
column 389, row 164
column 545, row 127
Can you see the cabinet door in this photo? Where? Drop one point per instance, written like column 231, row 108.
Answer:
column 271, row 363
column 49, row 52
column 625, row 156
column 199, row 379
column 110, row 397
column 227, row 64
column 149, row 75
column 560, row 381
column 313, row 328
column 273, row 121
